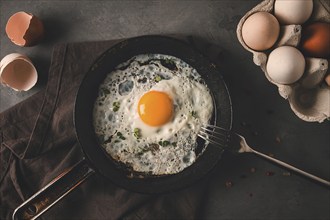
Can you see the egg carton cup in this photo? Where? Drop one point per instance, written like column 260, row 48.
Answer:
column 309, row 97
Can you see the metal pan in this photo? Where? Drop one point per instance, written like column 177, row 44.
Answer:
column 97, row 161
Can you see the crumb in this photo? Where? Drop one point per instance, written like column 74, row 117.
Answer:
column 270, row 173
column 253, row 170
column 229, row 184
column 278, row 139
column 286, row 174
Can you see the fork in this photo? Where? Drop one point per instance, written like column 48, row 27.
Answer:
column 236, row 143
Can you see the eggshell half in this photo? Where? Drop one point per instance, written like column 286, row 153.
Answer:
column 24, row 29
column 18, row 72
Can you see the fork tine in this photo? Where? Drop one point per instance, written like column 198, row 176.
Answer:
column 216, row 130
column 217, row 127
column 222, row 132
column 216, row 135
column 216, row 143
column 214, row 138
column 222, row 143
column 206, row 139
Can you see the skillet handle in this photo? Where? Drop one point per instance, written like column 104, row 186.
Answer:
column 49, row 195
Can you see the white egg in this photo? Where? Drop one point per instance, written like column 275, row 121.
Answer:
column 293, row 11
column 285, row 65
column 164, row 149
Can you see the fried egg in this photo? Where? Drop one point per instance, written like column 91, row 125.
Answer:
column 149, row 111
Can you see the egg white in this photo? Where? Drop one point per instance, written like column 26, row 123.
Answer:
column 165, row 149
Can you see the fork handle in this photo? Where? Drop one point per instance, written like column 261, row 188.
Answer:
column 311, row 176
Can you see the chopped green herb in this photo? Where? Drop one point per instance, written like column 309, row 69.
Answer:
column 174, row 144
column 121, row 136
column 106, row 91
column 158, row 78
column 137, row 133
column 193, row 114
column 143, row 150
column 108, row 141
column 169, row 61
column 164, row 143
column 116, row 106
column 117, row 141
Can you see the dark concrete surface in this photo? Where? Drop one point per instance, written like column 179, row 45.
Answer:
column 260, row 114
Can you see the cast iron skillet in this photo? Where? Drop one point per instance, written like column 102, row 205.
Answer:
column 97, row 161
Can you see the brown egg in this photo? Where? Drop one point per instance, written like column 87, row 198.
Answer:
column 24, row 29
column 327, row 79
column 316, row 40
column 260, row 31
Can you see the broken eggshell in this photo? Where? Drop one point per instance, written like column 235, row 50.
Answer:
column 313, row 107
column 24, row 29
column 18, row 72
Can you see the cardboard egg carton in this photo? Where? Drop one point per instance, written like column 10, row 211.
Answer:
column 309, row 97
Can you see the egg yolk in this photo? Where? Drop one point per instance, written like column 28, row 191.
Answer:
column 155, row 108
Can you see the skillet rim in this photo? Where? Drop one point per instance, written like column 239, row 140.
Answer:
column 158, row 184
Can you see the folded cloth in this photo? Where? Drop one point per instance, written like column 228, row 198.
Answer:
column 38, row 142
